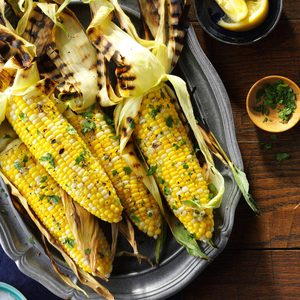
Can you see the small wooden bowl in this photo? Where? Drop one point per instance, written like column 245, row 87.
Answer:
column 258, row 118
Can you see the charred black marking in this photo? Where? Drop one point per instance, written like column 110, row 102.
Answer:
column 126, row 78
column 100, row 86
column 98, row 41
column 179, row 39
column 106, row 48
column 61, row 151
column 99, row 62
column 4, row 50
column 70, row 74
column 32, row 20
column 40, row 24
column 131, row 153
column 17, row 44
column 62, row 65
column 33, row 34
column 124, row 86
column 53, row 141
column 124, row 131
column 123, row 69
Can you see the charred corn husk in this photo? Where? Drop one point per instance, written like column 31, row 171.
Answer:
column 97, row 131
column 58, row 147
column 43, row 196
column 166, row 145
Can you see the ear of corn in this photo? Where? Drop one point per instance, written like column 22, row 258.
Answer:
column 164, row 142
column 57, row 146
column 43, row 196
column 97, row 131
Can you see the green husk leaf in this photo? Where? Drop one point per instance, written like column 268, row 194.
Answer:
column 239, row 176
column 160, row 242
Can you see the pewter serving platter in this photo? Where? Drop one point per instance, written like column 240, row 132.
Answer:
column 130, row 280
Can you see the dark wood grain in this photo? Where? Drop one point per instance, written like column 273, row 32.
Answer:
column 262, row 259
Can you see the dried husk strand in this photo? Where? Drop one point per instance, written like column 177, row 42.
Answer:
column 86, row 230
column 83, row 277
column 126, row 229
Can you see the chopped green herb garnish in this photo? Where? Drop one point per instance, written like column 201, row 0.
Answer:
column 185, row 166
column 135, row 219
column 53, row 198
column 115, row 137
column 278, row 95
column 155, row 111
column 18, row 165
column 71, row 129
column 25, row 159
column 169, row 121
column 70, row 242
column 127, row 170
column 160, row 180
column 48, row 157
column 108, row 120
column 23, row 117
column 88, row 126
column 151, row 170
column 149, row 213
column 282, row 156
column 167, row 191
column 273, row 137
column 88, row 114
column 41, row 197
column 114, row 172
column 80, row 159
column 39, row 133
column 43, row 179
column 266, row 146
column 132, row 124
column 87, row 251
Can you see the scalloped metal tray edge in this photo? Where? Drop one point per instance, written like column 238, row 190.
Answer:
column 212, row 103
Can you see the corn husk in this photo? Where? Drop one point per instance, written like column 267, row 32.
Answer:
column 86, row 230
column 12, row 45
column 84, row 277
column 7, row 135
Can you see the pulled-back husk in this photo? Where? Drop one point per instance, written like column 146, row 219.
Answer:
column 83, row 277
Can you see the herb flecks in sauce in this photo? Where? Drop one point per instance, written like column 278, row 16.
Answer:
column 278, row 96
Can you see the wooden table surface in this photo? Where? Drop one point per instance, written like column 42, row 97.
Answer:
column 262, row 258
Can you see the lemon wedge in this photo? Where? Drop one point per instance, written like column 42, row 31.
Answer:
column 257, row 13
column 236, row 10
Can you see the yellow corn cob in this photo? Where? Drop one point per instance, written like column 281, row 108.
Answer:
column 100, row 137
column 165, row 143
column 43, row 196
column 58, row 147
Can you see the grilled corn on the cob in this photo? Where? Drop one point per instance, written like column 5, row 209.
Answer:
column 164, row 142
column 96, row 130
column 43, row 196
column 58, row 147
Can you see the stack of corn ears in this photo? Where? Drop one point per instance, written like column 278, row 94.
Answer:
column 73, row 164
